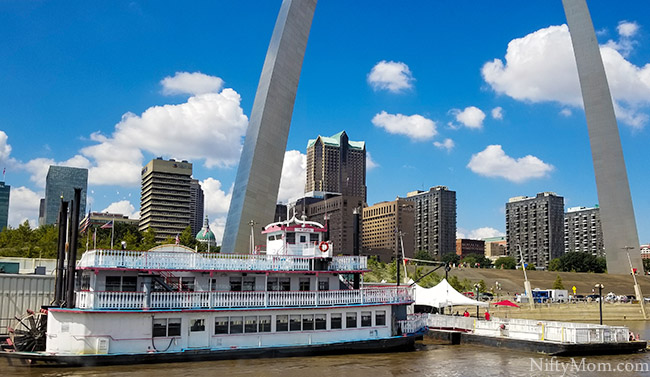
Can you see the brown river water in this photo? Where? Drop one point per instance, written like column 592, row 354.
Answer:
column 428, row 359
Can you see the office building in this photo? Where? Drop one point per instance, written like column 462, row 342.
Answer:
column 60, row 182
column 336, row 164
column 435, row 220
column 380, row 226
column 495, row 247
column 5, row 190
column 165, row 198
column 582, row 231
column 537, row 226
column 466, row 247
column 196, row 206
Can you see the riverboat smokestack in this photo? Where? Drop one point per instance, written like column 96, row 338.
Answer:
column 72, row 249
column 59, row 287
column 355, row 248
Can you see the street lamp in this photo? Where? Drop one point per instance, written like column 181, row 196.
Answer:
column 476, row 286
column 600, row 300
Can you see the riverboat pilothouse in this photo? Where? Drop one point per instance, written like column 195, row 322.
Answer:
column 172, row 303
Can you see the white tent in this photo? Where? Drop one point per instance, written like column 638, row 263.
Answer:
column 443, row 295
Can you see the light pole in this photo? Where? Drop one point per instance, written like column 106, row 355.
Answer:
column 476, row 286
column 600, row 300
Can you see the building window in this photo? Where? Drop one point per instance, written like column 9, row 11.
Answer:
column 235, row 284
column 307, row 322
column 250, row 324
column 164, row 327
column 380, row 318
column 236, row 325
column 366, row 319
column 121, row 283
column 221, row 325
column 281, row 323
column 321, row 322
column 265, row 323
column 197, row 325
column 294, row 322
column 304, row 284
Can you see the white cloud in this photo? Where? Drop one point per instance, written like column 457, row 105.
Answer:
column 217, row 226
column 447, row 144
column 217, row 201
column 370, row 163
column 566, row 112
column 294, row 174
column 190, row 83
column 415, row 126
column 485, row 232
column 5, row 148
column 470, row 117
column 213, row 124
column 123, row 207
column 38, row 167
column 497, row 113
column 493, row 162
column 23, row 205
column 627, row 29
column 540, row 67
column 392, row 76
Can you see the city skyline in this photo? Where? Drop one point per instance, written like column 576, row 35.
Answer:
column 436, row 99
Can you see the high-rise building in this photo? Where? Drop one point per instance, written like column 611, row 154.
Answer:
column 495, row 247
column 435, row 220
column 336, row 164
column 582, row 231
column 4, row 205
column 60, row 183
column 196, row 206
column 165, row 198
column 339, row 210
column 380, row 226
column 537, row 226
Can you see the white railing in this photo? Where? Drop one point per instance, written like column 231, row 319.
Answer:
column 413, row 324
column 220, row 299
column 170, row 260
column 562, row 332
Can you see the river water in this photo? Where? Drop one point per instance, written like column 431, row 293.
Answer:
column 429, row 359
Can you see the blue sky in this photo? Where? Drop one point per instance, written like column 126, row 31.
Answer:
column 478, row 96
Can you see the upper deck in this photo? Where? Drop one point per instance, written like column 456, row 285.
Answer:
column 191, row 261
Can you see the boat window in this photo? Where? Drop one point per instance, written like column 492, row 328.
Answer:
column 321, row 322
column 291, row 238
column 113, row 284
column 303, row 238
column 323, row 284
column 336, row 321
column 187, row 284
column 235, row 284
column 285, row 284
column 304, row 284
column 159, row 327
column 313, row 237
column 85, row 281
column 250, row 324
column 281, row 323
column 380, row 318
column 236, row 325
column 294, row 322
column 173, row 282
column 129, row 283
column 249, row 284
column 271, row 238
column 307, row 322
column 221, row 325
column 350, row 320
column 174, row 327
column 197, row 325
column 265, row 323
column 366, row 319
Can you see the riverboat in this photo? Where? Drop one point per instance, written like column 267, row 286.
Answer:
column 172, row 303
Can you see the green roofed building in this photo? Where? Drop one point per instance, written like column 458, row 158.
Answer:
column 336, row 164
column 205, row 235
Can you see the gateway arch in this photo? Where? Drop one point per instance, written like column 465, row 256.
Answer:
column 260, row 167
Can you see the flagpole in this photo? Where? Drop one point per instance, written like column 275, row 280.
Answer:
column 112, row 231
column 95, row 239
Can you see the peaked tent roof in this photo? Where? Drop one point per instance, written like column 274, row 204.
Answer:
column 443, row 295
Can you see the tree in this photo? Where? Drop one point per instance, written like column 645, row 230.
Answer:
column 646, row 264
column 148, row 239
column 555, row 265
column 450, row 258
column 506, row 263
column 423, row 255
column 187, row 238
column 531, row 267
column 580, row 262
column 557, row 284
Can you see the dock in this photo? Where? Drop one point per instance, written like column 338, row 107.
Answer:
column 547, row 337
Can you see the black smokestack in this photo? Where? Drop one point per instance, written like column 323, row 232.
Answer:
column 59, row 287
column 355, row 247
column 72, row 250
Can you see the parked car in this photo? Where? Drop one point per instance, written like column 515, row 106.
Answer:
column 593, row 297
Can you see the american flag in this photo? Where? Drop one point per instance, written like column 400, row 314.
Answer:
column 108, row 225
column 84, row 224
column 178, row 240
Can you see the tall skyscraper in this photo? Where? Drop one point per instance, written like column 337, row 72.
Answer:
column 537, row 226
column 380, row 226
column 196, row 206
column 165, row 198
column 61, row 182
column 5, row 190
column 336, row 164
column 435, row 220
column 582, row 231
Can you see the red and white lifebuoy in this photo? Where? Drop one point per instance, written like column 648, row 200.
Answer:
column 324, row 246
